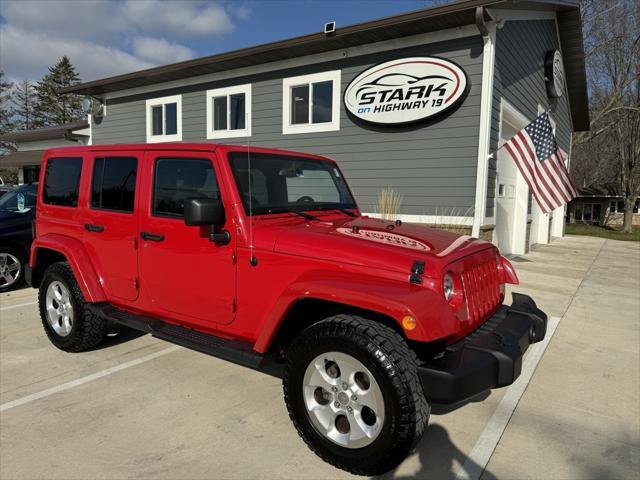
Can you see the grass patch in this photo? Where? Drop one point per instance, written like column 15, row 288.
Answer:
column 604, row 232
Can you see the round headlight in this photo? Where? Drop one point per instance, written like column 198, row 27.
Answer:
column 447, row 286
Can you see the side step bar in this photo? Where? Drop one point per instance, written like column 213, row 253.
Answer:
column 234, row 351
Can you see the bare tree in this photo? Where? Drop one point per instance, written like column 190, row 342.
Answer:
column 607, row 157
column 24, row 101
column 7, row 123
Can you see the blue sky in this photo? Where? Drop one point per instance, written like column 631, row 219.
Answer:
column 108, row 37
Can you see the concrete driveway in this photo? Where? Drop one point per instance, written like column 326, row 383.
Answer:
column 141, row 408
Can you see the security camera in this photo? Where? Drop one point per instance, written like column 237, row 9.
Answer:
column 329, row 28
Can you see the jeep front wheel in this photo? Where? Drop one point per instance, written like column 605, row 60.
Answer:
column 352, row 390
column 65, row 315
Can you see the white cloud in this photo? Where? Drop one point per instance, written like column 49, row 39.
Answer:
column 106, row 37
column 159, row 50
column 89, row 19
column 28, row 54
column 240, row 10
column 178, row 19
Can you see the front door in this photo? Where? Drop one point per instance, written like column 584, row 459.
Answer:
column 512, row 196
column 183, row 274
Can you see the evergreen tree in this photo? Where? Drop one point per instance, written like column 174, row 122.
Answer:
column 52, row 107
column 6, row 112
column 24, row 102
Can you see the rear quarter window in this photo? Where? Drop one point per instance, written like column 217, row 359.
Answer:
column 113, row 186
column 62, row 181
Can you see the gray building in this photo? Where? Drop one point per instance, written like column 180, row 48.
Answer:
column 444, row 160
column 31, row 144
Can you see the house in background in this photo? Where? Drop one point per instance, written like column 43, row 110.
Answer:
column 503, row 62
column 596, row 208
column 32, row 143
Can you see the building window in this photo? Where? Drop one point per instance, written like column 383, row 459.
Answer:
column 616, row 206
column 229, row 112
column 62, row 181
column 164, row 119
column 591, row 212
column 311, row 103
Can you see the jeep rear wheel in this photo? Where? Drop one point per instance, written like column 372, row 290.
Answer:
column 64, row 312
column 352, row 390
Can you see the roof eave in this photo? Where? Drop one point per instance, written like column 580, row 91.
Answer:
column 312, row 43
column 47, row 133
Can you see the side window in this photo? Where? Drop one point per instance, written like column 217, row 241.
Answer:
column 113, row 186
column 62, row 181
column 177, row 179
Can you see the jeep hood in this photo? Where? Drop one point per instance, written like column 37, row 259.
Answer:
column 375, row 243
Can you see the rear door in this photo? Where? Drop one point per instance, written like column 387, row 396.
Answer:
column 111, row 222
column 183, row 274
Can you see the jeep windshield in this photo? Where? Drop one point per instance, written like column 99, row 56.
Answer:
column 284, row 183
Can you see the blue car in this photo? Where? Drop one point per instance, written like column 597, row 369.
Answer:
column 17, row 210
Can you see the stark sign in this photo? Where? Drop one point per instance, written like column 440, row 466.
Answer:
column 406, row 90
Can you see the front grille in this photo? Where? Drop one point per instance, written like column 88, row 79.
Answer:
column 482, row 290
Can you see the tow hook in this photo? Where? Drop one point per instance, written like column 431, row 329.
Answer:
column 417, row 269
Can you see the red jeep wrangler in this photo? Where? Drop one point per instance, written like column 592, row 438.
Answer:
column 261, row 257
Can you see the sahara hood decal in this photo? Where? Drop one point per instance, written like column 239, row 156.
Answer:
column 387, row 238
column 406, row 90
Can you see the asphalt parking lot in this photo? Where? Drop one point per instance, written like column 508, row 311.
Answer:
column 141, row 408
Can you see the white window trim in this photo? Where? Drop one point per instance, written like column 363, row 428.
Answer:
column 226, row 92
column 287, row 83
column 177, row 137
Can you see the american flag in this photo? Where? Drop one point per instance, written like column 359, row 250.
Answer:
column 542, row 164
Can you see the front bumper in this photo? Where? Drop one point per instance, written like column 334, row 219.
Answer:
column 489, row 357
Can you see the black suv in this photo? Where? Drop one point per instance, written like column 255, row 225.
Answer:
column 17, row 210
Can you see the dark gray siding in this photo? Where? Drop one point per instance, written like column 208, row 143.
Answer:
column 432, row 165
column 521, row 47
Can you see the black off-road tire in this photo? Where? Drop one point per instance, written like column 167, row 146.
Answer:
column 88, row 330
column 387, row 356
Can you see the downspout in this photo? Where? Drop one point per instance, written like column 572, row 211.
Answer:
column 486, row 103
column 480, row 23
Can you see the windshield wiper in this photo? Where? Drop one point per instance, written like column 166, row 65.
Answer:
column 340, row 209
column 297, row 212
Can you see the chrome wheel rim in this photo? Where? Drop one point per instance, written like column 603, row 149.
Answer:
column 343, row 400
column 59, row 308
column 10, row 269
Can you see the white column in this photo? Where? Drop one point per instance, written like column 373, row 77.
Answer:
column 486, row 100
column 20, row 175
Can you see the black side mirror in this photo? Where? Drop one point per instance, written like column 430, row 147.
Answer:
column 203, row 211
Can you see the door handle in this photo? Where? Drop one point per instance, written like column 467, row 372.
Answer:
column 89, row 227
column 153, row 237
